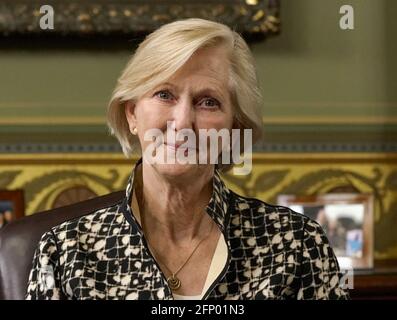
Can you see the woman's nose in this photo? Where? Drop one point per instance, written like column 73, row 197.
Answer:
column 184, row 115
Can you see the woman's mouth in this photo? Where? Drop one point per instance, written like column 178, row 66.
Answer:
column 176, row 147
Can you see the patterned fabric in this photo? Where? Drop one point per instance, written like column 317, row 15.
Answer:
column 273, row 253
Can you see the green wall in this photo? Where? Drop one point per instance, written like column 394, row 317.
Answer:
column 312, row 72
column 315, row 68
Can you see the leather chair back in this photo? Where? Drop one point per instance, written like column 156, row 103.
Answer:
column 19, row 240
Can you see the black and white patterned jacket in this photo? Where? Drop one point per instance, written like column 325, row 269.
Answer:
column 271, row 252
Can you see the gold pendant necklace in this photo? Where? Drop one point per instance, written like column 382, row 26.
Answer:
column 173, row 281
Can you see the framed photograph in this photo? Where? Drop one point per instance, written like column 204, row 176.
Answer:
column 347, row 220
column 11, row 206
column 132, row 17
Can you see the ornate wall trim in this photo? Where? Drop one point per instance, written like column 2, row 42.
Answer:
column 44, row 177
column 100, row 17
column 373, row 147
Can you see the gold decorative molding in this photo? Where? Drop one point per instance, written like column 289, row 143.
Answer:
column 132, row 17
column 44, row 176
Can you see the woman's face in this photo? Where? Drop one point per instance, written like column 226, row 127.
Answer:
column 196, row 97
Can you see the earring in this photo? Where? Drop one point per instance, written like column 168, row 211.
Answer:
column 135, row 131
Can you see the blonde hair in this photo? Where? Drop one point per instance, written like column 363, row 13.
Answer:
column 166, row 50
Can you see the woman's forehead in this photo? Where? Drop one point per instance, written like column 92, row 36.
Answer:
column 205, row 67
column 210, row 57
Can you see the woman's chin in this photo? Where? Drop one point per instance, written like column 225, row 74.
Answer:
column 176, row 170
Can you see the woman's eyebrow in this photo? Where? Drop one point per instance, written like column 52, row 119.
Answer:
column 213, row 90
column 213, row 87
column 210, row 91
column 168, row 84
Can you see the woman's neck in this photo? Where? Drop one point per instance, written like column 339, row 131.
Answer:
column 174, row 209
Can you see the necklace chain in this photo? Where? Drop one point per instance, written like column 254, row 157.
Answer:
column 174, row 282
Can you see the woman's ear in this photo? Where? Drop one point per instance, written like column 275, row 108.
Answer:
column 130, row 114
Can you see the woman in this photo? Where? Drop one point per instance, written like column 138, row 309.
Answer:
column 180, row 233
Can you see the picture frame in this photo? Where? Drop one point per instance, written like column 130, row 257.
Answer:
column 12, row 206
column 347, row 220
column 131, row 17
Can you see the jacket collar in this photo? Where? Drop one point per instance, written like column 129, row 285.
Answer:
column 217, row 207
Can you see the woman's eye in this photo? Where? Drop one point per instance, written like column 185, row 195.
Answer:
column 163, row 94
column 210, row 103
